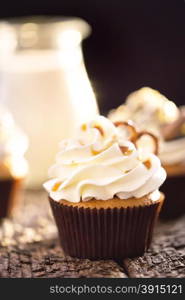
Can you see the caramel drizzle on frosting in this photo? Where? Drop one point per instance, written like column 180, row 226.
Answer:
column 100, row 129
column 128, row 125
column 125, row 150
column 154, row 138
column 147, row 163
column 94, row 152
column 135, row 135
column 56, row 186
column 84, row 127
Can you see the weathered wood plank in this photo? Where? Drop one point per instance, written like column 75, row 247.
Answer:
column 45, row 259
column 166, row 257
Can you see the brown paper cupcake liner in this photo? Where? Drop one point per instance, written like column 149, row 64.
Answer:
column 105, row 233
column 174, row 190
column 9, row 196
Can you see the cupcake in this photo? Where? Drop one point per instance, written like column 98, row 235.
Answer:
column 172, row 156
column 149, row 109
column 104, row 192
column 13, row 166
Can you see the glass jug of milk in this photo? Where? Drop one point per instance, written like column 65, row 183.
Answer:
column 43, row 81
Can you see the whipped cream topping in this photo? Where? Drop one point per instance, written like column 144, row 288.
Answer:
column 146, row 107
column 172, row 152
column 13, row 145
column 101, row 164
column 150, row 110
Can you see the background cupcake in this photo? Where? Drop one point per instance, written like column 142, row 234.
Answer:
column 150, row 109
column 146, row 107
column 13, row 166
column 104, row 193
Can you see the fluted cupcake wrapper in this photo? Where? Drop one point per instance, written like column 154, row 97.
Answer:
column 105, row 233
column 9, row 196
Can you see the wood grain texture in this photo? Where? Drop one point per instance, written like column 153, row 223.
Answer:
column 29, row 248
column 45, row 259
column 166, row 256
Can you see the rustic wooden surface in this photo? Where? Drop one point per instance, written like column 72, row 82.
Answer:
column 29, row 248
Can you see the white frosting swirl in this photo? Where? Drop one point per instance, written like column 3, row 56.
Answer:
column 173, row 152
column 101, row 164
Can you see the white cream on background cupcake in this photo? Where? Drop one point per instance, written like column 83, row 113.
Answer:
column 150, row 110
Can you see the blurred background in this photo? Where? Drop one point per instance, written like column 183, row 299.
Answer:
column 132, row 44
